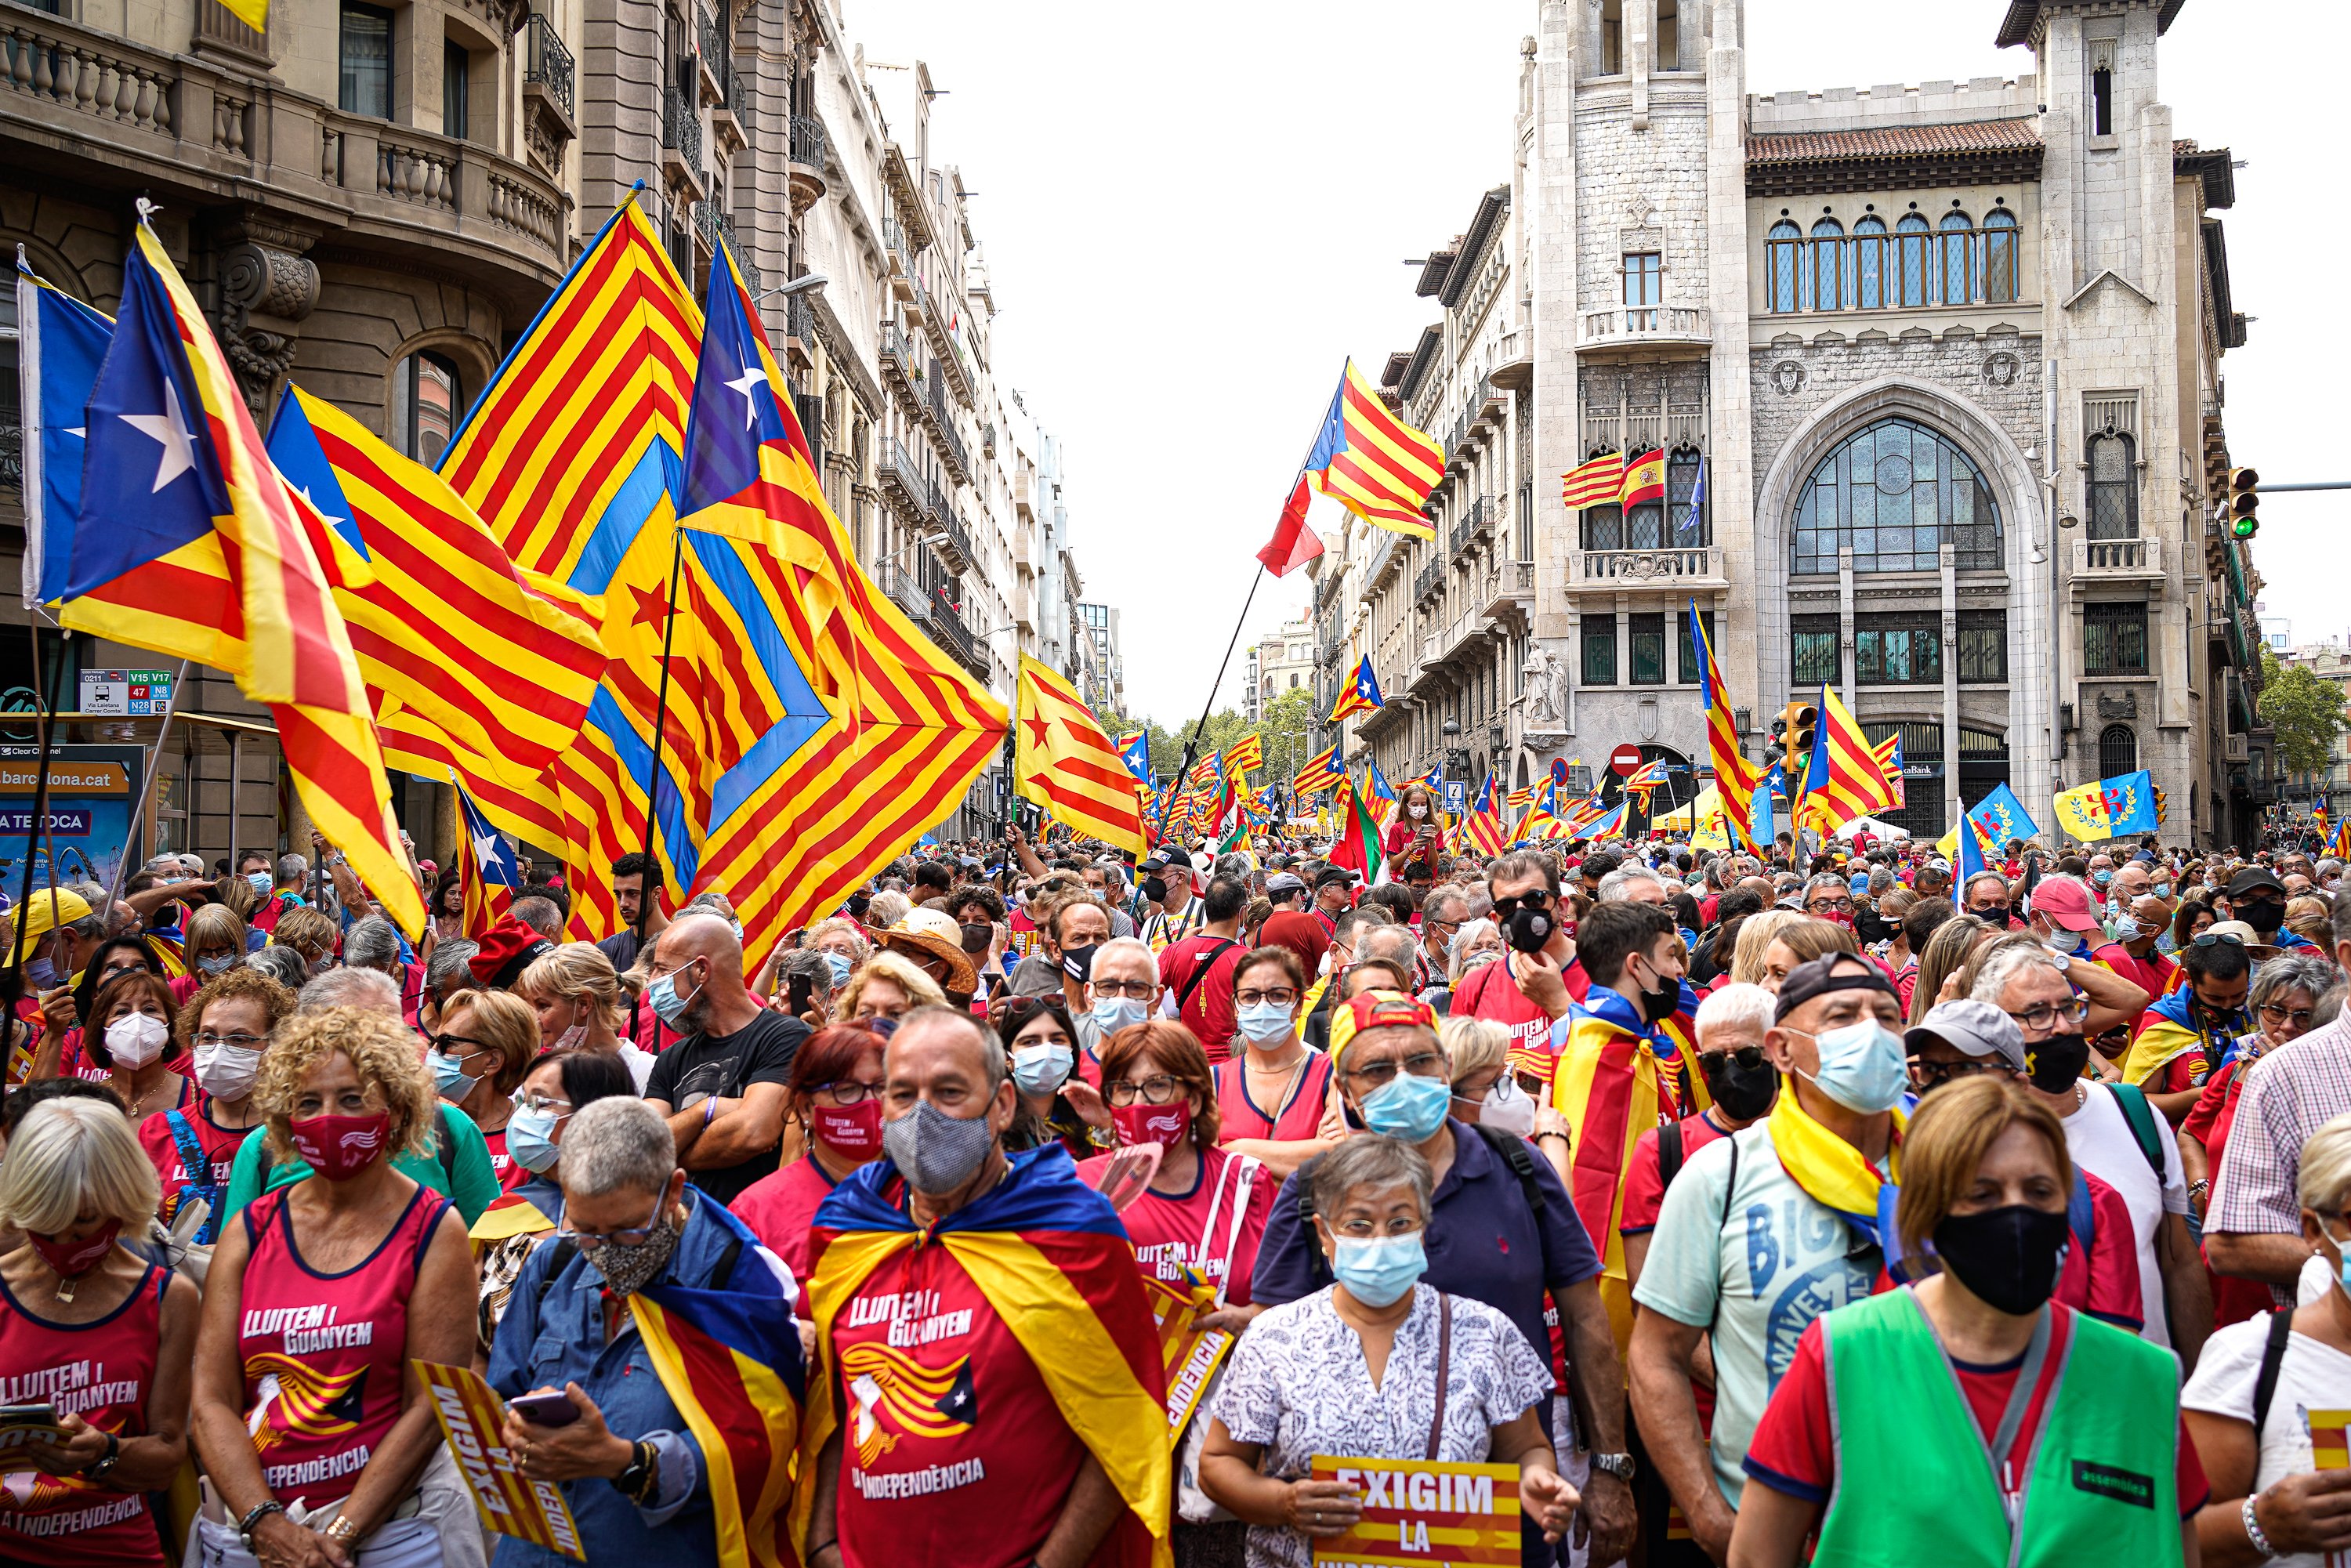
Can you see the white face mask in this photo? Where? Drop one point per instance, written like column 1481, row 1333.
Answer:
column 1419, row 812
column 136, row 1039
column 1507, row 1108
column 227, row 1071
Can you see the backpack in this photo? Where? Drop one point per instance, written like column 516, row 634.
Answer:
column 1510, row 1148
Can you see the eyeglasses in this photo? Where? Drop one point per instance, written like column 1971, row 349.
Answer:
column 1831, row 907
column 441, row 1042
column 1160, row 1091
column 2206, row 938
column 1933, row 1074
column 526, row 1101
column 2049, row 1015
column 213, row 1040
column 1280, row 996
column 2298, row 1016
column 848, row 1091
column 1422, row 1064
column 635, row 1236
column 1137, row 990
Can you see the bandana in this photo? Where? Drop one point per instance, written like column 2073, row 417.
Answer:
column 1833, row 1173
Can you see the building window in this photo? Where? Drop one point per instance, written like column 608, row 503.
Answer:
column 1600, row 650
column 365, row 53
column 1648, row 649
column 1686, row 503
column 2114, row 639
column 1692, row 671
column 1669, row 36
column 425, row 404
column 1611, row 39
column 1894, row 495
column 1780, row 270
column 1818, row 286
column 1604, row 526
column 2113, row 487
column 2000, row 257
column 1955, row 249
column 1902, row 650
column 2102, row 100
column 457, row 69
column 2117, row 750
column 1869, row 261
column 1815, row 662
column 1642, row 279
column 1910, row 243
column 1983, row 647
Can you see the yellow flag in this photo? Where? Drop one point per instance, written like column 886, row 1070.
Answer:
column 2083, row 813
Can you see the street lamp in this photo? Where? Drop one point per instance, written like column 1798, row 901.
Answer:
column 800, row 284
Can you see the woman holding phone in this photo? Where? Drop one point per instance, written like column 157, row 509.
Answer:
column 1413, row 838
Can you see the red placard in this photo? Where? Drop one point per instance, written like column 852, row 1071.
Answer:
column 1624, row 759
column 1421, row 1514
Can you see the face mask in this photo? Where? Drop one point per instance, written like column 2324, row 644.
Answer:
column 1111, row 1014
column 1264, row 1022
column 1419, row 812
column 1378, row 1269
column 1656, row 1006
column 2054, row 1064
column 628, row 1270
column 1041, row 1069
column 217, row 965
column 570, row 1038
column 41, row 972
column 449, row 1078
column 1154, row 889
column 840, row 968
column 2103, row 877
column 1529, row 930
column 530, row 1138
column 1508, row 1109
column 667, row 1005
column 259, row 882
column 1078, row 963
column 1166, row 1125
column 2007, row 1256
column 1862, row 1067
column 935, row 1152
column 72, row 1259
column 227, row 1071
column 851, row 1130
column 136, row 1039
column 1745, row 1094
column 2264, row 916
column 1407, row 1107
column 339, row 1147
column 2162, row 890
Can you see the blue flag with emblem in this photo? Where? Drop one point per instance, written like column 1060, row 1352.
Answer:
column 60, row 343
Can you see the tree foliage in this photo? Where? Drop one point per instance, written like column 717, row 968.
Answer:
column 2306, row 711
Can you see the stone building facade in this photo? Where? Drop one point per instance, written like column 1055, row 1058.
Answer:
column 1936, row 371
column 1280, row 660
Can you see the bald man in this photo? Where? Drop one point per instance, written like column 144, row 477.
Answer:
column 721, row 1086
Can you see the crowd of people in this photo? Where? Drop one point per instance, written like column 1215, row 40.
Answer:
column 1756, row 1209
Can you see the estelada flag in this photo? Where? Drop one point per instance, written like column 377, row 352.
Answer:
column 1054, row 1261
column 1644, row 480
column 1064, row 762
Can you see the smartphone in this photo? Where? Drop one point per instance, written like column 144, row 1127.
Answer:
column 796, row 995
column 546, row 1409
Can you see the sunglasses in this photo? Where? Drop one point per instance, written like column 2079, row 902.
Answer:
column 2207, row 938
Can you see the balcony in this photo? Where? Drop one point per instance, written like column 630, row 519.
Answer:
column 1636, row 332
column 900, row 584
column 1476, row 526
column 948, row 629
column 1514, row 361
column 549, row 73
column 941, row 420
column 1024, row 606
column 903, row 484
column 805, row 171
column 714, row 61
column 2099, row 562
column 899, row 257
column 1387, row 550
column 681, row 144
column 950, row 353
column 1506, row 593
column 1699, row 567
column 899, row 366
column 800, row 333
column 1429, row 584
column 953, row 542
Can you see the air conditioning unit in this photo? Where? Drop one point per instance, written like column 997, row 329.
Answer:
column 2235, row 750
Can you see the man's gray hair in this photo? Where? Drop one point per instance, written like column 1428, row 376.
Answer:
column 2305, row 972
column 2005, row 964
column 541, row 915
column 1118, row 945
column 371, row 990
column 617, row 1144
column 1389, row 941
column 292, row 869
column 1825, row 879
column 995, row 1064
column 802, row 962
column 1742, row 1008
column 1991, row 876
column 1439, row 897
column 1368, row 1159
column 451, row 960
column 1612, row 886
column 1114, row 872
column 283, row 965
column 371, row 944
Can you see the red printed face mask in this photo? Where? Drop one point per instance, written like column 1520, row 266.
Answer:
column 1166, row 1125
column 851, row 1130
column 339, row 1147
column 72, row 1259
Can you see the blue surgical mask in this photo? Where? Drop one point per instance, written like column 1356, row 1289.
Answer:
column 449, row 1075
column 2101, row 878
column 1863, row 1067
column 530, row 1139
column 216, row 965
column 2126, row 929
column 1378, row 1269
column 840, row 968
column 1265, row 1020
column 1041, row 1069
column 41, row 972
column 261, row 882
column 667, row 1005
column 1112, row 1014
column 1413, row 1108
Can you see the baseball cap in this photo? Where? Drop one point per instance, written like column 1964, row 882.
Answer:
column 1334, row 875
column 1282, row 883
column 2254, row 879
column 1813, row 977
column 1974, row 1028
column 1376, row 1009
column 2064, row 901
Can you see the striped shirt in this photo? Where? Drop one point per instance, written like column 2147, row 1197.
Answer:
column 2288, row 1095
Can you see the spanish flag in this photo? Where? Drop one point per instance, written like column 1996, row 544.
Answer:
column 1644, row 480
column 1051, row 1257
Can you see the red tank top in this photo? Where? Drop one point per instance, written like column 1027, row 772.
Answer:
column 1292, row 1121
column 324, row 1354
column 104, row 1373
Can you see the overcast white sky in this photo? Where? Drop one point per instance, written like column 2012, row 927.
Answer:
column 1192, row 217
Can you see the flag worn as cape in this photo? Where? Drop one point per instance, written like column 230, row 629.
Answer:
column 2175, row 1026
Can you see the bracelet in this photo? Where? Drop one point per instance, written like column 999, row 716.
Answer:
column 344, row 1528
column 254, row 1516
column 709, row 1109
column 1562, row 1137
column 2254, row 1528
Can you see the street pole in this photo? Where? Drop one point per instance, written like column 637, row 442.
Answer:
column 1193, row 745
column 12, row 983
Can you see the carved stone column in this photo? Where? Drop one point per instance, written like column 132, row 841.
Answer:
column 266, row 291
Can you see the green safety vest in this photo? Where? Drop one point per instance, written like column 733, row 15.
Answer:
column 1912, row 1466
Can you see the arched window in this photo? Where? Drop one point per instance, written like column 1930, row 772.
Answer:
column 2117, row 750
column 426, row 401
column 1895, row 494
column 1910, row 244
column 1779, row 273
column 2113, row 487
column 1684, row 504
column 1822, row 286
column 1956, row 248
column 2000, row 257
column 1869, row 261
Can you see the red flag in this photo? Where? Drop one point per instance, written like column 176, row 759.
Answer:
column 1293, row 543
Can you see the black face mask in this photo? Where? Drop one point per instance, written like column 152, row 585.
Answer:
column 1078, row 963
column 1154, row 889
column 2007, row 1256
column 1745, row 1094
column 2056, row 1064
column 1529, row 930
column 2263, row 915
column 1657, row 1007
column 858, row 904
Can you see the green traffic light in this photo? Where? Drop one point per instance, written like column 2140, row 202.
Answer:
column 2244, row 527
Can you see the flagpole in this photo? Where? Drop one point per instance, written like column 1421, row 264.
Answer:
column 652, row 887
column 12, row 983
column 147, row 785
column 1183, row 768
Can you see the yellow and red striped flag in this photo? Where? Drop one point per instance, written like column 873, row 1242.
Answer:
column 1644, row 480
column 1844, row 779
column 1734, row 776
column 1321, row 772
column 1593, row 482
column 1889, row 759
column 1370, row 462
column 1244, row 755
column 1063, row 761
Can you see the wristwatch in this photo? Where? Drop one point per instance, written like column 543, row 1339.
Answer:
column 1617, row 1465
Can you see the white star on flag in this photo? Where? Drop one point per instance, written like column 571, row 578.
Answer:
column 169, row 430
column 753, row 380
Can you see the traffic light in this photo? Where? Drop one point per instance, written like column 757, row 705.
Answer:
column 1800, row 718
column 1775, row 749
column 2162, row 813
column 2244, row 500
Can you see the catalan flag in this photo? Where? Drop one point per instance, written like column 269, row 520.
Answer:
column 1245, row 756
column 1370, row 462
column 487, row 869
column 1321, row 772
column 2339, row 846
column 1363, row 692
column 1602, row 825
column 60, row 343
column 1064, row 763
column 1594, row 483
column 204, row 556
column 1484, row 824
column 1644, row 480
column 1890, row 760
column 1053, row 1263
column 1733, row 774
column 1541, row 823
column 1134, row 750
column 1844, row 779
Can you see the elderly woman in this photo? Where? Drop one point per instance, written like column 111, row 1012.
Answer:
column 1485, row 1093
column 558, row 1087
column 577, row 994
column 842, row 942
column 888, row 987
column 1478, row 942
column 1902, row 1397
column 2284, row 995
column 486, row 1043
column 627, row 1461
column 2245, row 1402
column 1271, row 1093
column 224, row 1029
column 1377, row 1364
column 311, row 934
column 71, row 1295
column 834, row 1098
column 347, row 1430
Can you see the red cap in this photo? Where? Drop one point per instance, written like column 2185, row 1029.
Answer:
column 2065, row 902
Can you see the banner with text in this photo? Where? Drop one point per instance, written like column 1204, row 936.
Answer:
column 1189, row 1353
column 1425, row 1514
column 510, row 1502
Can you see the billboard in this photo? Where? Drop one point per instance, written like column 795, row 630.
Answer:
column 93, row 791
